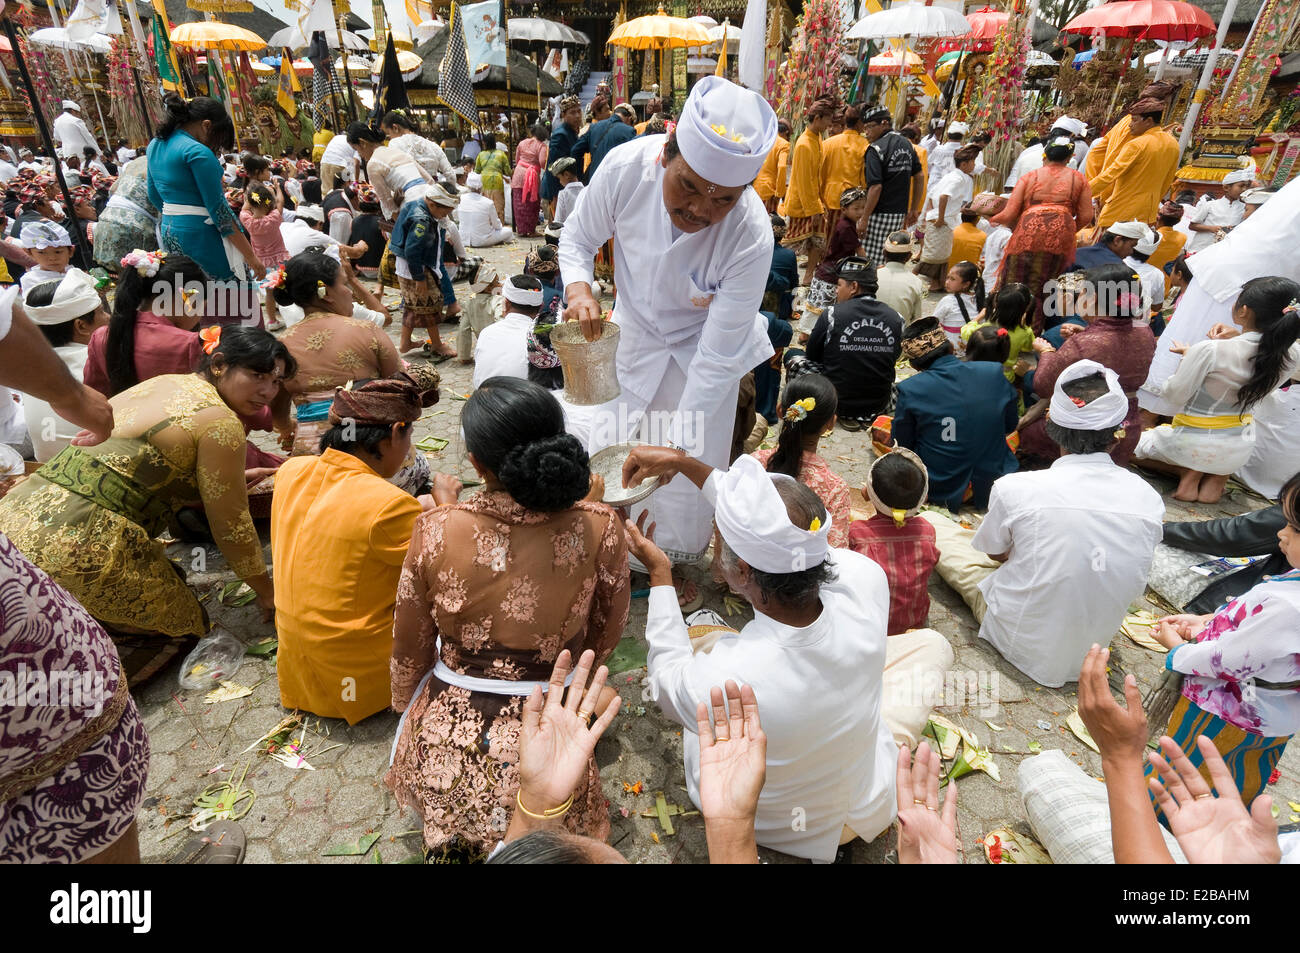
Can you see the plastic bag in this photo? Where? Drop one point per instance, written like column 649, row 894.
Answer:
column 215, row 659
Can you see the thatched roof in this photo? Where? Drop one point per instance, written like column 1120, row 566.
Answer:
column 1243, row 16
column 258, row 21
column 523, row 76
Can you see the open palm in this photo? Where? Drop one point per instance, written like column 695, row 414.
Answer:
column 733, row 754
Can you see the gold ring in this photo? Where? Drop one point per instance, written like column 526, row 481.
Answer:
column 920, row 801
column 1201, row 797
column 584, row 715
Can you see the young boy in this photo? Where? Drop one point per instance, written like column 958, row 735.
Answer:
column 482, row 310
column 1171, row 239
column 967, row 239
column 566, row 170
column 416, row 242
column 51, row 245
column 896, row 538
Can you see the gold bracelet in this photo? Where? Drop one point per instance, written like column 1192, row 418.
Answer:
column 547, row 815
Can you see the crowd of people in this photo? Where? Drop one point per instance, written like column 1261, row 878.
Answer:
column 1009, row 355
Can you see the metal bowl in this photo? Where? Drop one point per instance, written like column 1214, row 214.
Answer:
column 609, row 464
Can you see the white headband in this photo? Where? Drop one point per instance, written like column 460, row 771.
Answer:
column 753, row 520
column 1108, row 410
column 74, row 298
column 527, row 297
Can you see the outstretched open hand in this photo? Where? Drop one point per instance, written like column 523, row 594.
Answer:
column 925, row 836
column 733, row 754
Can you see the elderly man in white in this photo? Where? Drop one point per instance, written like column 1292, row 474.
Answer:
column 692, row 249
column 72, row 133
column 814, row 652
column 1063, row 551
column 502, row 347
column 480, row 226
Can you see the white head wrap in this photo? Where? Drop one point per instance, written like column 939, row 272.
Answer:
column 71, row 104
column 45, row 234
column 958, row 129
column 1134, row 229
column 1076, row 127
column 76, row 297
column 725, row 132
column 474, row 182
column 1108, row 410
column 1240, row 175
column 312, row 213
column 1148, row 243
column 753, row 521
column 525, row 297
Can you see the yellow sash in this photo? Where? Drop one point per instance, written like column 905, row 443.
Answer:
column 1227, row 422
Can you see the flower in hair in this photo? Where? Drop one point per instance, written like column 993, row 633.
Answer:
column 1078, row 401
column 815, row 525
column 1002, row 332
column 211, row 338
column 276, row 280
column 144, row 262
column 725, row 134
column 1293, row 306
column 800, row 409
column 322, row 289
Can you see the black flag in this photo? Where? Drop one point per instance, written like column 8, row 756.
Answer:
column 392, row 88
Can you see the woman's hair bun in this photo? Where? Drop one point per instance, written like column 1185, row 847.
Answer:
column 177, row 107
column 550, row 474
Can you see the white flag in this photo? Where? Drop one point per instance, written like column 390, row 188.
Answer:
column 751, row 62
column 90, row 17
column 314, row 15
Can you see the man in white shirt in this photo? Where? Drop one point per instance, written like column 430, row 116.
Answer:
column 502, row 347
column 941, row 156
column 339, row 159
column 124, row 152
column 7, row 171
column 1032, row 157
column 1219, row 216
column 1151, row 278
column 565, row 170
column 950, row 195
column 1068, row 548
column 71, row 132
column 479, row 224
column 28, row 161
column 816, row 648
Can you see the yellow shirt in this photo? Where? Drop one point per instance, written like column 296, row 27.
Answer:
column 318, row 143
column 339, row 534
column 967, row 244
column 1132, row 184
column 766, row 183
column 924, row 158
column 1107, row 148
column 842, row 165
column 804, row 198
column 1170, row 247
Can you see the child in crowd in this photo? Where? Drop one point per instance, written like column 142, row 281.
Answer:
column 967, row 239
column 896, row 538
column 1010, row 309
column 566, row 170
column 1172, row 240
column 964, row 300
column 844, row 241
column 261, row 217
column 807, row 413
column 256, row 169
column 51, row 246
column 988, row 343
column 365, row 228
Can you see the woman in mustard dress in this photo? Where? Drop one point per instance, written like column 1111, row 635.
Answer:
column 91, row 517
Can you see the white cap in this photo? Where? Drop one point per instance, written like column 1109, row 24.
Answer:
column 436, row 194
column 524, row 297
column 474, row 182
column 1239, row 175
column 1148, row 243
column 1136, row 230
column 755, row 523
column 312, row 213
column 1075, row 127
column 71, row 104
column 725, row 132
column 75, row 297
column 958, row 129
column 1108, row 410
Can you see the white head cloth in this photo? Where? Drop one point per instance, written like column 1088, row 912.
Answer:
column 1073, row 126
column 1240, row 175
column 1108, row 410
column 474, row 182
column 958, row 129
column 1133, row 229
column 71, row 104
column 1149, row 243
column 725, row 132
column 752, row 518
column 75, row 297
column 525, row 297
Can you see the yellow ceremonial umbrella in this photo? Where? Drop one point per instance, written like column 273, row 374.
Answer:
column 214, row 35
column 659, row 32
column 890, row 62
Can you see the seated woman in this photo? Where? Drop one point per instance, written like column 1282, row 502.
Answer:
column 91, row 517
column 1236, row 670
column 339, row 533
column 807, row 414
column 492, row 590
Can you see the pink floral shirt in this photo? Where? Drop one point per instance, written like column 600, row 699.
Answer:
column 1255, row 636
column 816, row 474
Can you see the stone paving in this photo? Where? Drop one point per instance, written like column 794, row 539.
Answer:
column 298, row 813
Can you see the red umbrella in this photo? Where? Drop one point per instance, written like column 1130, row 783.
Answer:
column 985, row 23
column 1144, row 20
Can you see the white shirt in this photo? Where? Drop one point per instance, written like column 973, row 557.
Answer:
column 479, row 223
column 949, row 315
column 72, row 134
column 428, row 154
column 1081, row 534
column 831, row 759
column 1264, row 244
column 298, row 236
column 1276, row 457
column 502, row 348
column 941, row 161
column 567, row 201
column 338, row 152
column 31, row 164
column 125, row 155
column 1152, row 280
column 960, row 189
column 93, row 166
column 1220, row 212
column 1212, row 373
column 995, row 246
column 7, row 170
column 36, row 276
column 51, row 433
column 1027, row 161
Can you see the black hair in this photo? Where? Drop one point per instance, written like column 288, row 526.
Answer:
column 1154, row 115
column 968, row 216
column 902, row 256
column 541, row 847
column 199, row 109
column 254, row 164
column 515, row 429
column 800, row 587
column 552, row 378
column 250, row 348
column 1180, row 268
column 1185, row 196
column 1289, row 498
column 897, row 481
column 524, row 283
column 1118, row 290
column 395, row 117
column 970, row 273
column 783, row 128
column 358, row 131
column 788, row 455
column 988, row 343
column 671, row 149
column 1277, row 319
column 1086, row 389
column 538, row 131
column 174, row 272
column 367, row 206
column 1169, row 220
column 489, row 142
column 261, row 196
column 311, row 191
column 57, row 334
column 89, row 152
column 1058, row 152
column 73, row 162
column 1010, row 305
column 302, row 276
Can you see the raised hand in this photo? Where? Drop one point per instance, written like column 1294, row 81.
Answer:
column 733, row 754
column 1209, row 829
column 925, row 836
column 1119, row 732
column 640, row 543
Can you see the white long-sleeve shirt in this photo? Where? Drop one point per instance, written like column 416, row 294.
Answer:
column 73, row 135
column 831, row 759
column 428, row 154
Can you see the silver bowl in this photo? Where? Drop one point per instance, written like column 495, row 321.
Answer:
column 609, row 464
